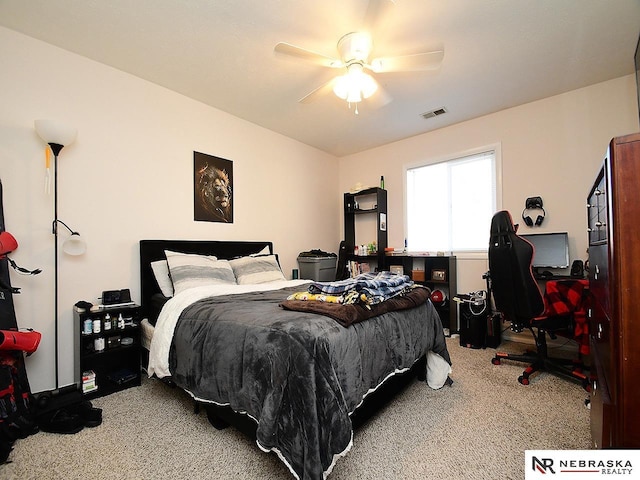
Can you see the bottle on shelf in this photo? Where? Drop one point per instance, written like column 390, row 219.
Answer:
column 382, row 182
column 107, row 323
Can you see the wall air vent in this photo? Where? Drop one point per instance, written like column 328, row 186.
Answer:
column 434, row 113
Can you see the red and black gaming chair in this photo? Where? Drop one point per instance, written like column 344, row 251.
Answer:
column 518, row 298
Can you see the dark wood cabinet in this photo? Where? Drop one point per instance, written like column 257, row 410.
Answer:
column 112, row 354
column 613, row 215
column 436, row 272
column 370, row 206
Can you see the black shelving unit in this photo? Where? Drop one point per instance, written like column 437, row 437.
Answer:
column 117, row 365
column 439, row 273
column 366, row 203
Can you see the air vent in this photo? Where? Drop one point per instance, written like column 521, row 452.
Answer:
column 434, row 113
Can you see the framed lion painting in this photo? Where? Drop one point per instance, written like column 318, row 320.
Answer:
column 212, row 188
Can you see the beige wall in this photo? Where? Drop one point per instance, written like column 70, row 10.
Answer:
column 550, row 148
column 129, row 177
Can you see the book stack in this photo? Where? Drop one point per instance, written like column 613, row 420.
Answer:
column 89, row 382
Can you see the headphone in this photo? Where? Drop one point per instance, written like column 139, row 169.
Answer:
column 533, row 203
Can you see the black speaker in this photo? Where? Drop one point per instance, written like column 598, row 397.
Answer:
column 577, row 269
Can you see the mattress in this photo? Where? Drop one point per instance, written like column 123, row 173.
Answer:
column 146, row 334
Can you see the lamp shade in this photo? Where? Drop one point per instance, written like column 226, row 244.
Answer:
column 53, row 131
column 355, row 84
column 74, row 245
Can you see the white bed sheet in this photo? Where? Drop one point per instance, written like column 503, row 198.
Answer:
column 146, row 334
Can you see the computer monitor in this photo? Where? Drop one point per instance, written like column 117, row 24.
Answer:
column 551, row 249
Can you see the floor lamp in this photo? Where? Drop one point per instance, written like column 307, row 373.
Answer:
column 57, row 135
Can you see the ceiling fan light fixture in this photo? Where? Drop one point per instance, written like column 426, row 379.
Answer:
column 354, row 97
column 341, row 87
column 376, row 64
column 355, row 84
column 368, row 85
column 355, row 46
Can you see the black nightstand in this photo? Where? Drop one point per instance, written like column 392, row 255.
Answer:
column 112, row 354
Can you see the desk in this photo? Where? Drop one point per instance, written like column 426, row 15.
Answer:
column 540, row 276
column 564, row 297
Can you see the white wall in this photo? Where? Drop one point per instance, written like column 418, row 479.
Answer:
column 551, row 148
column 128, row 177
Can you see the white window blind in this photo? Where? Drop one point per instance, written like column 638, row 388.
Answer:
column 450, row 204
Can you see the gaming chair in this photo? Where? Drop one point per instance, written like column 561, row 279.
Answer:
column 518, row 298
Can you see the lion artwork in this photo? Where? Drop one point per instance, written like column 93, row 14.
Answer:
column 214, row 192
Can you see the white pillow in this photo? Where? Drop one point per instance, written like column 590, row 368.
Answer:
column 161, row 272
column 264, row 251
column 253, row 270
column 189, row 270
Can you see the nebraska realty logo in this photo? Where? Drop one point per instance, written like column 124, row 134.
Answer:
column 563, row 464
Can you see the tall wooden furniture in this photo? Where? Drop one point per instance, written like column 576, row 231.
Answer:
column 366, row 205
column 613, row 213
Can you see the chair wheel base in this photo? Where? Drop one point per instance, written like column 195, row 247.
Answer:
column 495, row 361
column 523, row 380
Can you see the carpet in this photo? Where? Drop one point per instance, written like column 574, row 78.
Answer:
column 478, row 428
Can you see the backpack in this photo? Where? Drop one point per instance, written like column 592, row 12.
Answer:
column 16, row 418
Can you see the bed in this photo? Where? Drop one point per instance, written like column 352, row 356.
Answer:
column 296, row 381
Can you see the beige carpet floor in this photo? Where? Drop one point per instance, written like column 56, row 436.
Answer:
column 477, row 429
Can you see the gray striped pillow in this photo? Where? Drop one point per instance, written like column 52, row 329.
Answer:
column 190, row 270
column 253, row 270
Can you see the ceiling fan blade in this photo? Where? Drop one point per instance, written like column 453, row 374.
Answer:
column 318, row 92
column 307, row 55
column 408, row 63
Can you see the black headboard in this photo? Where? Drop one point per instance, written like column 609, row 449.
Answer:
column 152, row 250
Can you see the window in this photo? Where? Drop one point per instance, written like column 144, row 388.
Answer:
column 450, row 203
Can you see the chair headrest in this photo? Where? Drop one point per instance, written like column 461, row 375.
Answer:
column 502, row 223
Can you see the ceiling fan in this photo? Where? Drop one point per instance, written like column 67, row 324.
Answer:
column 355, row 82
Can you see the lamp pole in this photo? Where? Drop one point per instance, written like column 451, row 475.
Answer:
column 56, row 135
column 55, row 148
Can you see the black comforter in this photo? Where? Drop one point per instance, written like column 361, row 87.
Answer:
column 298, row 375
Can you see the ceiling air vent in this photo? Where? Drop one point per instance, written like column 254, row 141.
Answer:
column 434, row 113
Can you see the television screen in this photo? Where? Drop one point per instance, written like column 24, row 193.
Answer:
column 551, row 249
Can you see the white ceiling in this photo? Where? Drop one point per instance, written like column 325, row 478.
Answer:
column 498, row 54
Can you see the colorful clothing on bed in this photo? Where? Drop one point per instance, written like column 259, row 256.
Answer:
column 318, row 297
column 369, row 288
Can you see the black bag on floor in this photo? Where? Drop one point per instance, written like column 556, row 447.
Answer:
column 16, row 418
column 65, row 411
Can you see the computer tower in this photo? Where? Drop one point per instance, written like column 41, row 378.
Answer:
column 480, row 327
column 473, row 325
